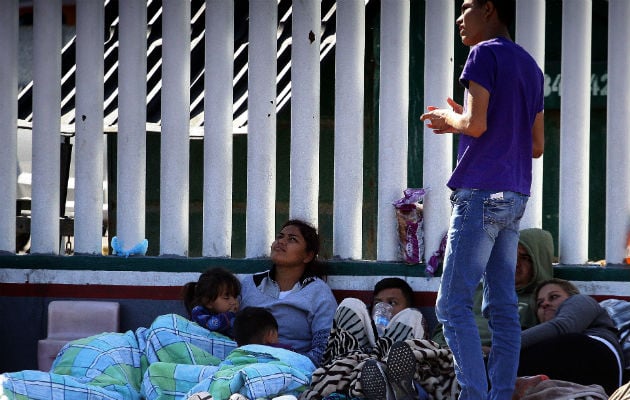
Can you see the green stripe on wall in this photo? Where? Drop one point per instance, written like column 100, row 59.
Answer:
column 617, row 272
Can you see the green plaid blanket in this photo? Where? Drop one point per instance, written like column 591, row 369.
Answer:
column 255, row 371
column 113, row 365
column 169, row 360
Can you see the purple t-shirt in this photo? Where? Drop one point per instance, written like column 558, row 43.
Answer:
column 501, row 158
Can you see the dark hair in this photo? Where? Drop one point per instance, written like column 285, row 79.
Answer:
column 311, row 237
column 251, row 324
column 211, row 284
column 395, row 283
column 506, row 10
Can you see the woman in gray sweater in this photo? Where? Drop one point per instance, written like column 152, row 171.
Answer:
column 293, row 291
column 576, row 339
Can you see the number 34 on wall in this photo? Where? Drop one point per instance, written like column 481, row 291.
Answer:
column 599, row 84
column 553, row 85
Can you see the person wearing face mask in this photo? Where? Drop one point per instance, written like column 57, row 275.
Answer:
column 575, row 341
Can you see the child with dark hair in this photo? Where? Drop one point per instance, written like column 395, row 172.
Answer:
column 258, row 358
column 383, row 291
column 255, row 325
column 212, row 301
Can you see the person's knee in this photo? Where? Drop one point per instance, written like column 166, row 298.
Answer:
column 411, row 313
column 453, row 307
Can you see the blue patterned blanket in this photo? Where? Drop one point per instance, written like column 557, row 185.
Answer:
column 168, row 360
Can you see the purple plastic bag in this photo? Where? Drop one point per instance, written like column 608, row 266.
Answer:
column 410, row 220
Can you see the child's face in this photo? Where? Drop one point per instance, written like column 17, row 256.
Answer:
column 223, row 303
column 393, row 296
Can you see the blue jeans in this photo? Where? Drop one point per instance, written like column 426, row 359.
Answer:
column 482, row 243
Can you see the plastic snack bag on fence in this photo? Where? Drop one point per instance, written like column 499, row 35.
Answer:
column 409, row 217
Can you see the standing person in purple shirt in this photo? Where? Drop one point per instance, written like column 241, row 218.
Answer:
column 500, row 127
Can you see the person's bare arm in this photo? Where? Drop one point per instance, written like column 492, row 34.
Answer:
column 538, row 135
column 473, row 122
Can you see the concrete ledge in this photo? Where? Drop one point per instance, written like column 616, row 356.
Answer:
column 587, row 272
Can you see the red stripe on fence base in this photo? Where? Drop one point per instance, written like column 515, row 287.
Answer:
column 422, row 299
column 90, row 291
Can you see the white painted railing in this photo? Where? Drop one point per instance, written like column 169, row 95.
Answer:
column 261, row 126
column 618, row 140
column 349, row 111
column 8, row 116
column 89, row 143
column 575, row 119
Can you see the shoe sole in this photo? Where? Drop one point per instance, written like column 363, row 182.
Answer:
column 401, row 367
column 373, row 381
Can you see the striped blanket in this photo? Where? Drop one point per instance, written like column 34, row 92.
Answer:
column 167, row 360
column 352, row 342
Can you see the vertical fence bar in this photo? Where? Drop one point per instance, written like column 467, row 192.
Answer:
column 437, row 149
column 618, row 139
column 348, row 179
column 131, row 144
column 89, row 145
column 574, row 131
column 218, row 139
column 306, row 31
column 46, row 126
column 530, row 33
column 261, row 127
column 175, row 139
column 393, row 122
column 8, row 120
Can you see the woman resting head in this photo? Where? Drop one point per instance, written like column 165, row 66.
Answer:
column 575, row 341
column 550, row 294
column 212, row 301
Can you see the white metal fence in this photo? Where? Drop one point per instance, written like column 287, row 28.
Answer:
column 220, row 123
